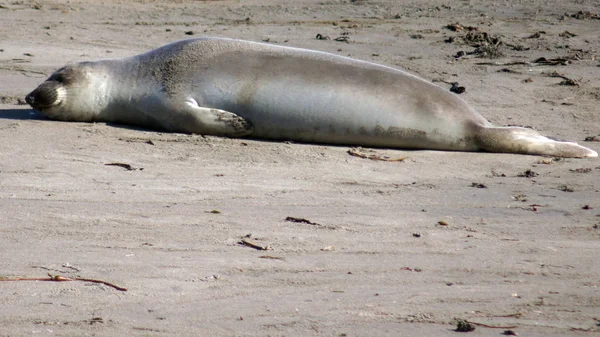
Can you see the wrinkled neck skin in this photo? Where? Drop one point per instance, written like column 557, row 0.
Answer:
column 116, row 91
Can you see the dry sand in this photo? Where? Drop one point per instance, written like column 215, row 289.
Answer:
column 375, row 261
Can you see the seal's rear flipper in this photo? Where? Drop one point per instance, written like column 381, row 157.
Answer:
column 528, row 141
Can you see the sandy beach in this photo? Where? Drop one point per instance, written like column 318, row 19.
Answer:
column 354, row 247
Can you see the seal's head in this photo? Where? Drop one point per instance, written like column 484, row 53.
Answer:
column 75, row 93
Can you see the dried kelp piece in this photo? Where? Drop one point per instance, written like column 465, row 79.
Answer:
column 583, row 15
column 456, row 27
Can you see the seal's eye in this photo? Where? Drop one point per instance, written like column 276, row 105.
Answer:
column 58, row 76
column 65, row 77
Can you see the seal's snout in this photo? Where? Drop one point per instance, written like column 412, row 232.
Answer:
column 30, row 99
column 44, row 96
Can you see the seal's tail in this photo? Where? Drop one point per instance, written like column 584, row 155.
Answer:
column 528, row 141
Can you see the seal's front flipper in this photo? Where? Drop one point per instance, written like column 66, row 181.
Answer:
column 527, row 141
column 210, row 121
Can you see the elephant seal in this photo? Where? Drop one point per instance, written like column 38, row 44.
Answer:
column 235, row 88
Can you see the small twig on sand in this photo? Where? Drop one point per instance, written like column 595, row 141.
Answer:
column 492, row 326
column 542, row 61
column 58, row 278
column 566, row 80
column 354, row 152
column 518, row 314
column 504, row 63
column 300, row 220
column 123, row 165
column 271, row 257
column 254, row 245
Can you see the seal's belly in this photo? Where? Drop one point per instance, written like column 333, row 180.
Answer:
column 347, row 113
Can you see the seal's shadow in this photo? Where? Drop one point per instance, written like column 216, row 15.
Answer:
column 30, row 114
column 21, row 114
